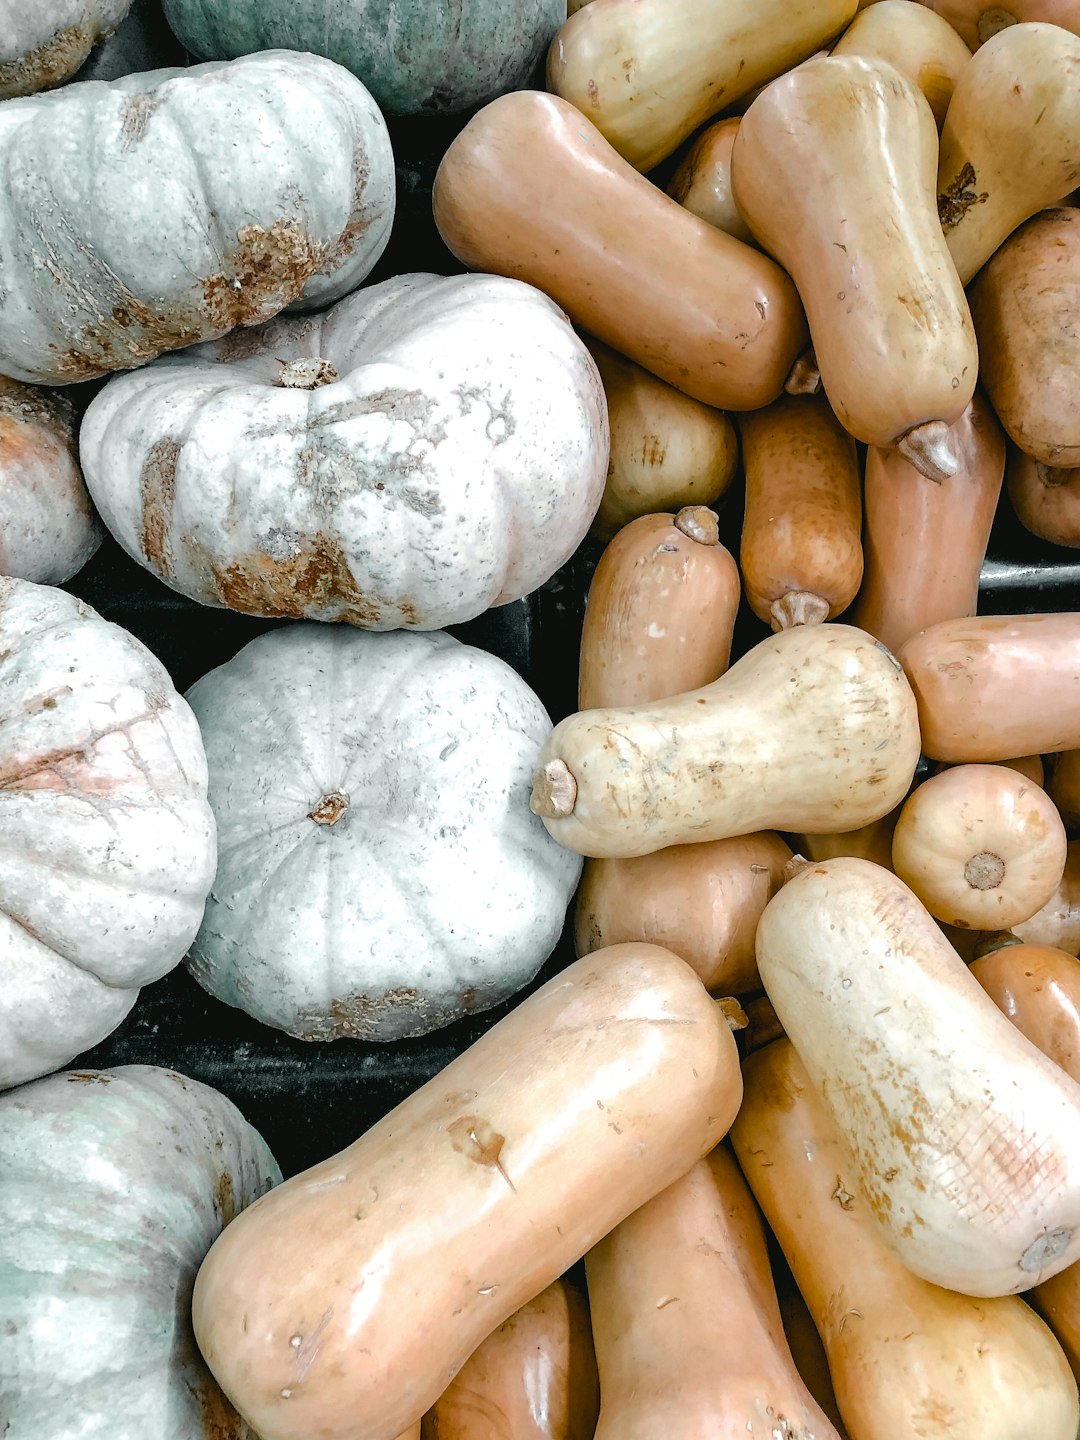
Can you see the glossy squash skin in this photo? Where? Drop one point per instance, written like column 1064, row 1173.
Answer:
column 921, row 45
column 531, row 189
column 702, row 182
column 515, row 1185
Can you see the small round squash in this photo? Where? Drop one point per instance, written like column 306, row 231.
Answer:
column 380, row 873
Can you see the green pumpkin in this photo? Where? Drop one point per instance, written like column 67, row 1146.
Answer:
column 415, row 56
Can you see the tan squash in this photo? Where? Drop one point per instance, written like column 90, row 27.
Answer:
column 924, row 544
column 1058, row 922
column 921, row 44
column 702, row 182
column 531, row 189
column 1030, row 766
column 981, row 846
column 801, row 548
column 667, row 450
column 534, row 1378
column 977, row 21
column 647, row 75
column 908, row 1360
column 993, row 686
column 689, row 1339
column 762, row 1028
column 1046, row 498
column 1024, row 304
column 1063, row 786
column 834, row 171
column 345, row 1305
column 660, row 612
column 964, row 1138
column 868, row 842
column 809, row 1353
column 813, row 729
column 702, row 901
column 1010, row 145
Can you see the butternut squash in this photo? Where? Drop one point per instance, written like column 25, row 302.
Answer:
column 977, row 21
column 908, row 1360
column 801, row 549
column 921, row 45
column 1024, row 303
column 1063, row 786
column 1058, row 922
column 702, row 901
column 648, row 76
column 981, row 846
column 993, row 686
column 534, row 1378
column 814, row 729
column 667, row 450
column 346, row 1304
column 808, row 1353
column 702, row 182
column 531, row 189
column 868, row 842
column 834, row 171
column 689, row 1340
column 660, row 612
column 924, row 544
column 1010, row 145
column 964, row 1138
column 1046, row 498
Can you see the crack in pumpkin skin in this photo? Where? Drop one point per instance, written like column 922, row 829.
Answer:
column 49, row 65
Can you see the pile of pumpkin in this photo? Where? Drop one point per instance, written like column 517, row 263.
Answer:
column 355, row 833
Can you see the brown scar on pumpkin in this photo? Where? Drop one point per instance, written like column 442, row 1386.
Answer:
column 157, row 489
column 959, row 197
column 479, row 1142
column 49, row 65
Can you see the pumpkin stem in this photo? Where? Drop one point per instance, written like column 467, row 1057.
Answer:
column 330, row 809
column 798, row 607
column 996, row 940
column 554, row 792
column 805, row 377
column 985, row 871
column 929, row 448
column 698, row 523
column 795, row 866
column 306, row 373
column 733, row 1013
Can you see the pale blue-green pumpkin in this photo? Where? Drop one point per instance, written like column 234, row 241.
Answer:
column 415, row 56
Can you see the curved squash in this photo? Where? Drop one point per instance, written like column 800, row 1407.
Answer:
column 531, row 189
column 660, row 611
column 977, row 21
column 729, row 759
column 640, row 1079
column 921, row 45
column 1058, row 922
column 924, row 543
column 1010, row 145
column 702, row 183
column 832, row 164
column 689, row 1340
column 647, row 77
column 868, row 842
column 965, row 1140
column 1063, row 786
column 908, row 1360
column 1046, row 498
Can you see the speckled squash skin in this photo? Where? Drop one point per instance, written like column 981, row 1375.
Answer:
column 380, row 872
column 113, row 1186
column 166, row 208
column 43, row 42
column 452, row 460
column 415, row 56
column 108, row 842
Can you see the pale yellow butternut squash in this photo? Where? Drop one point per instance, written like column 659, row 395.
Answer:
column 920, row 43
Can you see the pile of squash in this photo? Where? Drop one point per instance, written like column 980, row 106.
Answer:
column 807, row 1104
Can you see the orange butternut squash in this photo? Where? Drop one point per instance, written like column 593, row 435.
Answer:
column 993, row 686
column 908, row 1360
column 702, row 182
column 921, row 44
column 667, row 450
column 531, row 189
column 868, row 842
column 981, row 846
column 534, row 1378
column 801, row 548
column 1046, row 498
column 977, row 21
column 660, row 612
column 834, row 171
column 924, row 544
column 647, row 75
column 702, row 901
column 1058, row 922
column 1010, row 145
column 689, row 1339
column 809, row 1353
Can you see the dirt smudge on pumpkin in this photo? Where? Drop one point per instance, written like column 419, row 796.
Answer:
column 959, row 197
column 225, row 1198
column 49, row 65
column 364, row 1017
column 138, row 109
column 157, row 488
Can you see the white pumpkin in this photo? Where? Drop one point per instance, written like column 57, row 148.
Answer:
column 113, row 1186
column 43, row 42
column 106, row 837
column 48, row 528
column 164, row 208
column 426, row 449
column 380, row 872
